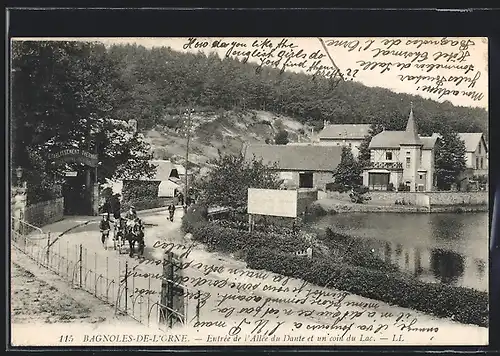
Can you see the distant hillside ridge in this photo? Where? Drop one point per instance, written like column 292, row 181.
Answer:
column 158, row 82
column 222, row 131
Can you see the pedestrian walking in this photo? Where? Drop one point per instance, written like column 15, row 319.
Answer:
column 104, row 228
column 171, row 211
column 180, row 198
column 116, row 206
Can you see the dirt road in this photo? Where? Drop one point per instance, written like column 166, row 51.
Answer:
column 256, row 305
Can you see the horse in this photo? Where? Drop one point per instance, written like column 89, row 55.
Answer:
column 119, row 232
column 134, row 232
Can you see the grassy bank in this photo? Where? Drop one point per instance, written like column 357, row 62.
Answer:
column 338, row 261
column 333, row 206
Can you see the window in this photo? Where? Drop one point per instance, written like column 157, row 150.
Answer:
column 378, row 180
column 479, row 147
column 388, row 156
column 421, row 176
column 407, row 153
column 420, row 187
column 407, row 162
column 482, row 162
column 306, row 180
column 477, row 162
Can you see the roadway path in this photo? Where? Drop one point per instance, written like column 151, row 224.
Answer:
column 228, row 313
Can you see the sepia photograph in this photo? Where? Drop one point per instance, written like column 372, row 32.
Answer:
column 267, row 191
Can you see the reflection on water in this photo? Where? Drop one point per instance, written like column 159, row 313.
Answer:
column 439, row 248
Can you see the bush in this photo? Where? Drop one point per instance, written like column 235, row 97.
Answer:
column 390, row 187
column 316, row 210
column 462, row 304
column 141, row 204
column 196, row 214
column 355, row 251
column 336, row 187
column 403, row 188
column 228, row 239
column 230, row 236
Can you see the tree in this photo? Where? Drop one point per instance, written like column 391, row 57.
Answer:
column 364, row 150
column 230, row 177
column 281, row 138
column 66, row 95
column 348, row 173
column 450, row 159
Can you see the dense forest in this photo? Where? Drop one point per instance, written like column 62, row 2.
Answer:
column 161, row 80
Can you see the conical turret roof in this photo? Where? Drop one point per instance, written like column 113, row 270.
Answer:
column 411, row 132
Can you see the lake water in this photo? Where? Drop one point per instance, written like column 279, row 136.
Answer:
column 439, row 248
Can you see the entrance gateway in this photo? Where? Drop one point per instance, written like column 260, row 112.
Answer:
column 80, row 188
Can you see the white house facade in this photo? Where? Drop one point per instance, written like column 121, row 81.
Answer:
column 351, row 135
column 401, row 158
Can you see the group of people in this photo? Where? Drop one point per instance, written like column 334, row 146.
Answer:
column 112, row 206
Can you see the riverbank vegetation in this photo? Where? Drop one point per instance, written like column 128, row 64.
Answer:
column 338, row 261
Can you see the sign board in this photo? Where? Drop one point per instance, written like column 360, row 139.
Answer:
column 75, row 156
column 272, row 202
column 71, row 174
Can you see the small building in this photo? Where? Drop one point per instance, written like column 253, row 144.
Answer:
column 351, row 135
column 476, row 161
column 476, row 153
column 299, row 166
column 168, row 174
column 401, row 158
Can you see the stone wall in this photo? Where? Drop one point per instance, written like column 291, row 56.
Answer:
column 414, row 198
column 44, row 213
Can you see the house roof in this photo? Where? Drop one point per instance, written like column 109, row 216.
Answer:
column 393, row 139
column 411, row 132
column 471, row 140
column 164, row 170
column 297, row 158
column 352, row 131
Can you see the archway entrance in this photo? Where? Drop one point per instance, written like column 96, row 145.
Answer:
column 79, row 189
column 77, row 195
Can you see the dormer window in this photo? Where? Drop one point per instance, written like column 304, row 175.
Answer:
column 479, row 147
column 388, row 156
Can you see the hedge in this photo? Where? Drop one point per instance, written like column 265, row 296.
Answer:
column 355, row 251
column 359, row 273
column 227, row 239
column 462, row 304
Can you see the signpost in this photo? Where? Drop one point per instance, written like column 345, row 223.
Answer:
column 75, row 156
column 271, row 202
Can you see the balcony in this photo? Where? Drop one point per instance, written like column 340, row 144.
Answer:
column 385, row 165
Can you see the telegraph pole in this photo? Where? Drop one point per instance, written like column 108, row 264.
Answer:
column 188, row 136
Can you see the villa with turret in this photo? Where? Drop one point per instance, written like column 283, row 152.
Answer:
column 401, row 158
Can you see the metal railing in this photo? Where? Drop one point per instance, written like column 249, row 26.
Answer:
column 385, row 165
column 106, row 279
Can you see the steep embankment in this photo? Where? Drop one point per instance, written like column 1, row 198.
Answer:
column 226, row 131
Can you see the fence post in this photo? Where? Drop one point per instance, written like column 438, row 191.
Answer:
column 198, row 307
column 107, row 280
column 81, row 266
column 48, row 248
column 95, row 273
column 126, row 286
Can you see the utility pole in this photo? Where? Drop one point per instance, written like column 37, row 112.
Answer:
column 188, row 136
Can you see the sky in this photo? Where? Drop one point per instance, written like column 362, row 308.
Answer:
column 453, row 69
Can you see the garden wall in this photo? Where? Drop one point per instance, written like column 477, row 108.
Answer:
column 435, row 198
column 44, row 213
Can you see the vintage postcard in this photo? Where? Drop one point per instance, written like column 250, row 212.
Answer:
column 249, row 191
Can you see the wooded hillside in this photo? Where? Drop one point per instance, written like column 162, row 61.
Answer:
column 161, row 81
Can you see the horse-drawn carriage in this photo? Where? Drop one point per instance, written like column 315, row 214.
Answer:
column 131, row 230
